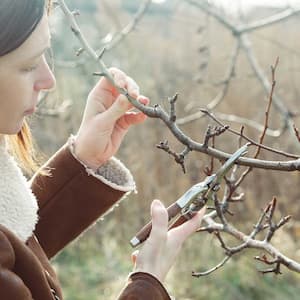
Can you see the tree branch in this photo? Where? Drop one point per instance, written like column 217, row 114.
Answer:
column 158, row 112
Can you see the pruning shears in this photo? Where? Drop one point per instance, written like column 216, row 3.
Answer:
column 193, row 199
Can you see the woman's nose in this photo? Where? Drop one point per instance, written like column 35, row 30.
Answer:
column 45, row 79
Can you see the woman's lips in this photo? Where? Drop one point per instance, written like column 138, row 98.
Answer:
column 30, row 111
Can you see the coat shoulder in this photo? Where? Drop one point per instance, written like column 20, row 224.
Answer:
column 12, row 286
column 7, row 254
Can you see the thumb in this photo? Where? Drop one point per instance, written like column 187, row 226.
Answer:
column 159, row 216
column 159, row 229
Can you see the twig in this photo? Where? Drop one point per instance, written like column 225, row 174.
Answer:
column 221, row 95
column 247, row 242
column 278, row 103
column 241, row 33
column 179, row 157
column 241, row 134
column 276, row 18
column 211, row 133
column 296, row 130
column 245, row 28
column 276, row 269
column 172, row 102
column 218, row 266
column 267, row 112
column 119, row 37
column 248, row 122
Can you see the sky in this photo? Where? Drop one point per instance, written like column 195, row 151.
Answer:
column 258, row 2
column 238, row 6
column 250, row 2
column 244, row 6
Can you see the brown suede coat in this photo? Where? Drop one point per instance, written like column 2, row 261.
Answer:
column 69, row 201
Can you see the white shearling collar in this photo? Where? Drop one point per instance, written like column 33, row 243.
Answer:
column 18, row 205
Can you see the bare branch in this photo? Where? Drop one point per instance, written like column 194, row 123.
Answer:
column 204, row 6
column 276, row 18
column 179, row 157
column 296, row 130
column 241, row 134
column 248, row 122
column 267, row 113
column 158, row 112
column 221, row 95
column 278, row 103
column 263, row 134
column 248, row 242
column 218, row 266
column 172, row 102
column 245, row 28
column 276, row 269
column 240, row 33
column 265, row 221
column 120, row 36
column 213, row 132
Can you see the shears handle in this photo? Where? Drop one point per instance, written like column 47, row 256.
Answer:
column 173, row 210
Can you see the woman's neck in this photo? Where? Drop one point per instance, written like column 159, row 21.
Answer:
column 2, row 140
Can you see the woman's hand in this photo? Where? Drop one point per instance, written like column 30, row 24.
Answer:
column 161, row 248
column 107, row 118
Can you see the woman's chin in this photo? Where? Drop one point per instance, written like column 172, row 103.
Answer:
column 14, row 129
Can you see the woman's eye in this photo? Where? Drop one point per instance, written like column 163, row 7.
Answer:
column 30, row 69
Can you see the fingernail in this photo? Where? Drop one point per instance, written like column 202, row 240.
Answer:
column 135, row 92
column 157, row 202
column 143, row 100
column 156, row 205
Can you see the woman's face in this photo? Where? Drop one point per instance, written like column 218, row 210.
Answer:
column 24, row 72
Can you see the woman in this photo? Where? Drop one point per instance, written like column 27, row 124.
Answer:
column 40, row 219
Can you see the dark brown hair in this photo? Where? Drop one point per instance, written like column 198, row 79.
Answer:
column 18, row 19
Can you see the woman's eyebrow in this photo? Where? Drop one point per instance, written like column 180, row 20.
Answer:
column 40, row 53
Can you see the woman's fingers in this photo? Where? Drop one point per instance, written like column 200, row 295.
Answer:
column 116, row 110
column 161, row 248
column 121, row 103
column 142, row 99
column 120, row 108
column 134, row 255
column 182, row 232
column 132, row 88
column 119, row 78
column 125, row 82
column 132, row 118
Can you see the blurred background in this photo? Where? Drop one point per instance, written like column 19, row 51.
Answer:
column 176, row 47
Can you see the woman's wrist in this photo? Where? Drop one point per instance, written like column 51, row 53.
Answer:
column 150, row 271
column 81, row 154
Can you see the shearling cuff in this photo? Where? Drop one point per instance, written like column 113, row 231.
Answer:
column 113, row 172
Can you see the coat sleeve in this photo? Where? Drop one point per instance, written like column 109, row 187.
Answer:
column 11, row 285
column 71, row 199
column 144, row 286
